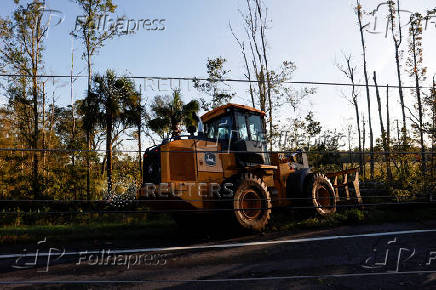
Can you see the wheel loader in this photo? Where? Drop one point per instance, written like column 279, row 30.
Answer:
column 226, row 167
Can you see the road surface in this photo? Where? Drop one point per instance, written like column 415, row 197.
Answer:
column 387, row 256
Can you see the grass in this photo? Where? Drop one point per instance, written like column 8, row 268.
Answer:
column 282, row 221
column 163, row 228
column 84, row 232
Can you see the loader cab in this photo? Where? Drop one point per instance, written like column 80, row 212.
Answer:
column 239, row 128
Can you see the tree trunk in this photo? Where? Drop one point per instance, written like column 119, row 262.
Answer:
column 73, row 128
column 356, row 107
column 363, row 146
column 88, row 165
column 140, row 152
column 400, row 92
column 88, row 133
column 109, row 151
column 382, row 127
column 420, row 110
column 36, row 189
column 368, row 98
column 44, row 169
column 139, row 133
column 388, row 139
column 397, row 43
column 433, row 135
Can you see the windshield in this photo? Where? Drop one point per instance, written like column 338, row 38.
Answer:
column 242, row 126
column 256, row 128
column 250, row 127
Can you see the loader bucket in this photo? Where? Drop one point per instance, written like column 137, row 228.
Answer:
column 342, row 182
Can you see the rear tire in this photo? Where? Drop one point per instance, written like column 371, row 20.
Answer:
column 252, row 203
column 322, row 194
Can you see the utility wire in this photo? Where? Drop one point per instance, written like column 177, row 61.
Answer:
column 222, row 80
column 181, row 200
column 212, row 151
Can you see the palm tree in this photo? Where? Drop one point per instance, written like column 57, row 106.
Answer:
column 86, row 109
column 170, row 113
column 114, row 102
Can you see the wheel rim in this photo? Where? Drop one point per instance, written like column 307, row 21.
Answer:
column 323, row 198
column 250, row 204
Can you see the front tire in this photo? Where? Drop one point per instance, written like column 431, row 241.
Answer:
column 322, row 194
column 252, row 203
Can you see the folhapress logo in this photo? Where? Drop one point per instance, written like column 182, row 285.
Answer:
column 122, row 25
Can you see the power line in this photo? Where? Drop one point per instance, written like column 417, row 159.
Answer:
column 216, row 151
column 222, row 80
column 179, row 200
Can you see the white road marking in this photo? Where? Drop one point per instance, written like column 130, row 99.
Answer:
column 220, row 246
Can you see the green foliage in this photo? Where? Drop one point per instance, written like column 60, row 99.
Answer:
column 169, row 113
column 112, row 99
column 93, row 38
column 111, row 104
column 21, row 52
column 214, row 86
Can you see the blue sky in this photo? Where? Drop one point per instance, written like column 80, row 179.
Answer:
column 311, row 33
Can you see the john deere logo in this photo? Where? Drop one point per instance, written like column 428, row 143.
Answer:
column 210, row 159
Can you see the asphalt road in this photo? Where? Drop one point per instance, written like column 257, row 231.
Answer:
column 392, row 256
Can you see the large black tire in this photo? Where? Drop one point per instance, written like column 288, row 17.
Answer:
column 252, row 203
column 322, row 194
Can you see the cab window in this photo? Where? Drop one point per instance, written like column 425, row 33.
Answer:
column 242, row 126
column 220, row 128
column 250, row 127
column 256, row 128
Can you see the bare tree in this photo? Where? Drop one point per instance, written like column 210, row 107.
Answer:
column 255, row 25
column 417, row 71
column 269, row 90
column 382, row 129
column 368, row 97
column 363, row 145
column 349, row 130
column 247, row 73
column 349, row 72
column 397, row 37
column 388, row 137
